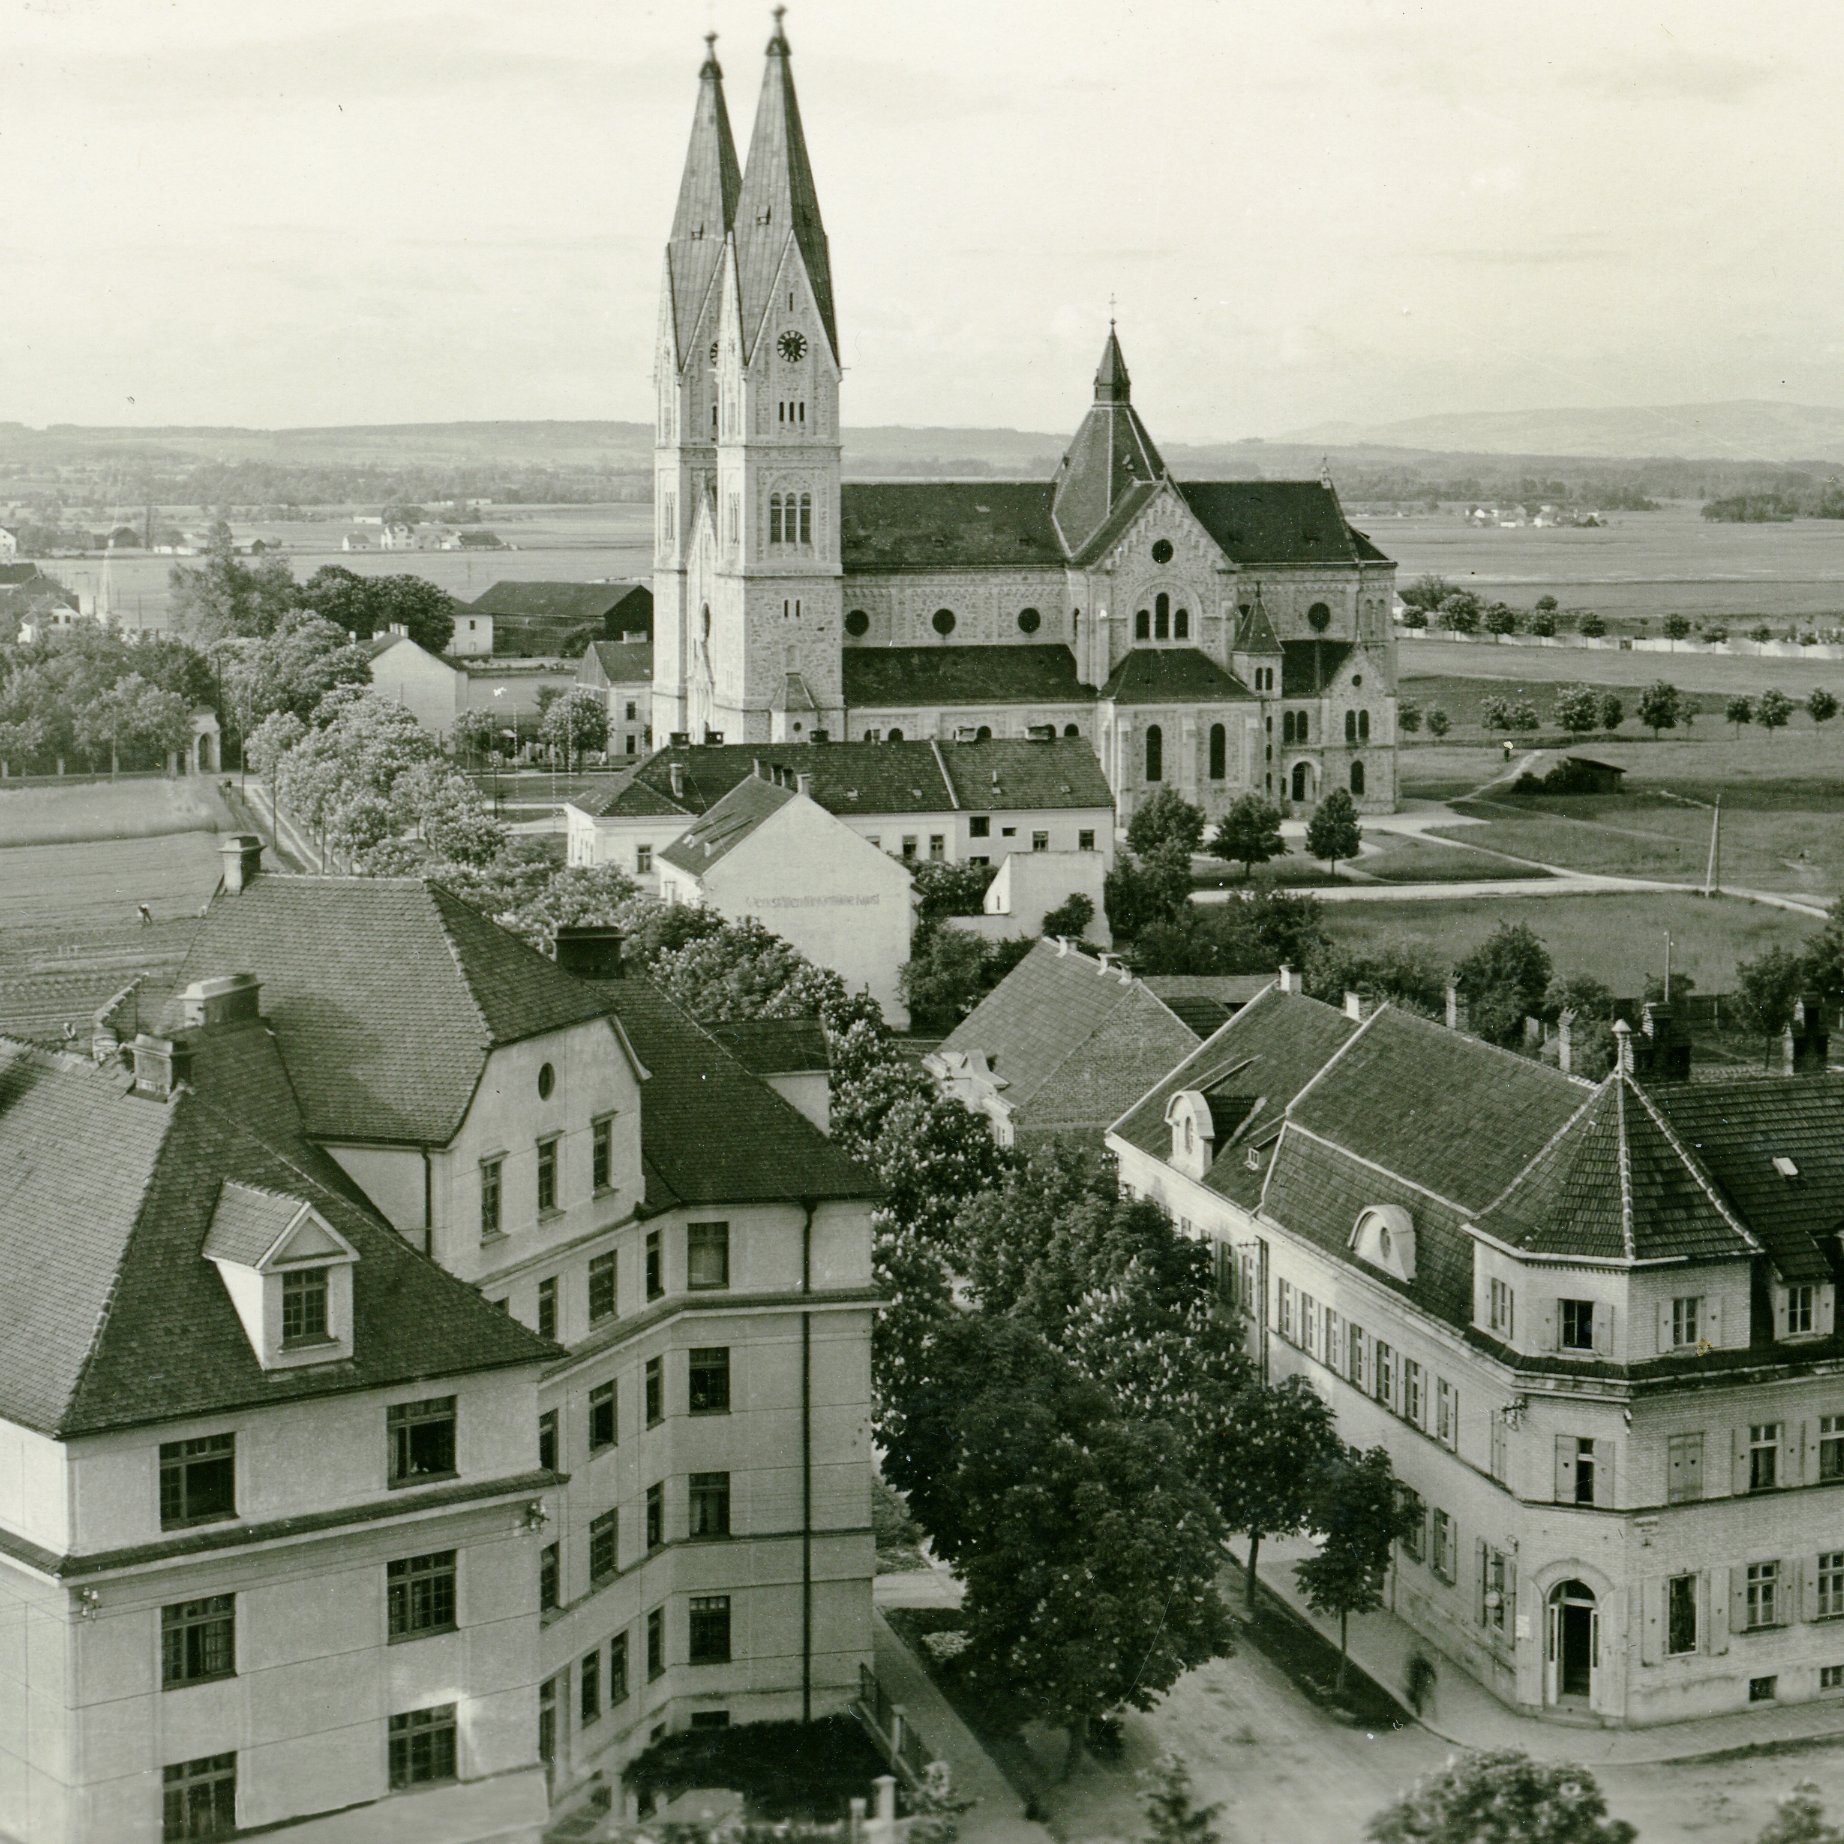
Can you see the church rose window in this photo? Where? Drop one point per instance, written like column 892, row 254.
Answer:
column 857, row 624
column 1162, row 550
column 1029, row 620
column 943, row 621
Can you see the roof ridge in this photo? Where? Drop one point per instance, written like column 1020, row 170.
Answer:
column 1625, row 1168
column 1325, row 1068
column 431, row 888
column 1536, row 1158
column 1693, row 1164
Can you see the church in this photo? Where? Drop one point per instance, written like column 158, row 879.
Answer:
column 1213, row 637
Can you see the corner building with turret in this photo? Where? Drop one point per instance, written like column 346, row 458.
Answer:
column 1214, row 637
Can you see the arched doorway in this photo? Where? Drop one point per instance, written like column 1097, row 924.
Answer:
column 1302, row 781
column 1357, row 778
column 1572, row 1643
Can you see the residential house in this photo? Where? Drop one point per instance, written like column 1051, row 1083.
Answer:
column 1059, row 1048
column 543, row 620
column 1593, row 1323
column 771, row 853
column 358, row 541
column 622, row 671
column 425, row 684
column 601, row 1169
column 473, row 636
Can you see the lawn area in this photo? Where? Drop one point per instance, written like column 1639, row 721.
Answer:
column 1402, row 858
column 51, row 813
column 1619, row 937
column 1461, row 695
column 1716, row 674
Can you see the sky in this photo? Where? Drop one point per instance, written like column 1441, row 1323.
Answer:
column 378, row 211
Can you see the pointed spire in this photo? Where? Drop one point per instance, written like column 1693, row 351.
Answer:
column 1112, row 385
column 779, row 200
column 1112, row 453
column 707, row 201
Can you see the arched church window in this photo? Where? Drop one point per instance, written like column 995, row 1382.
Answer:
column 1286, row 726
column 1155, row 753
column 1142, row 626
column 942, row 621
column 707, row 621
column 1318, row 617
column 1029, row 621
column 1363, row 726
column 1357, row 777
column 857, row 624
column 1162, row 550
column 1181, row 624
column 775, row 523
column 805, row 533
column 895, row 736
column 1219, row 752
column 983, row 734
column 1072, row 729
column 1162, row 616
column 1350, row 726
column 1302, row 780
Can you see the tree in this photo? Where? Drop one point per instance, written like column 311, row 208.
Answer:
column 1546, row 604
column 1613, row 712
column 1459, row 613
column 743, row 970
column 946, row 889
column 1070, row 919
column 290, row 668
column 1766, row 989
column 1676, row 627
column 1167, row 819
column 1408, row 718
column 475, row 734
column 1139, row 893
column 1495, row 711
column 1439, row 723
column 1761, row 634
column 1661, row 705
column 224, row 598
column 1825, row 956
column 1403, row 972
column 1821, row 706
column 1773, row 710
column 944, row 978
column 1504, row 980
column 1426, row 592
column 1362, row 1512
column 573, row 723
column 1590, row 1005
column 1578, row 709
column 1501, row 618
column 366, row 605
column 1592, row 625
column 1799, row 1818
column 1169, row 1800
column 1523, row 715
column 1269, row 1464
column 1249, row 833
column 1501, row 1797
column 1738, row 711
column 1262, row 929
column 1543, row 622
column 134, row 718
column 1333, row 832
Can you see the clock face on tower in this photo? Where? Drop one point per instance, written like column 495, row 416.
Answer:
column 793, row 346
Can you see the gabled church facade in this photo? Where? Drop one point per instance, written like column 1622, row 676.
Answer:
column 1214, row 637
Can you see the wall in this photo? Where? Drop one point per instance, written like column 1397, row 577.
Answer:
column 34, row 1487
column 428, row 688
column 986, row 604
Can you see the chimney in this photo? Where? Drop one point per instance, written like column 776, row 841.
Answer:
column 675, row 775
column 803, row 784
column 755, row 768
column 240, row 856
column 1565, row 1042
column 680, row 739
column 161, row 1064
column 589, row 951
column 1456, row 1012
column 229, row 999
column 1062, row 945
column 1812, row 1049
column 1655, row 1020
column 1623, row 1046
column 1290, row 981
column 1665, row 1053
column 1354, row 1006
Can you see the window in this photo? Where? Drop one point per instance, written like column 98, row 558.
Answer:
column 1686, row 1321
column 1085, row 840
column 1763, row 1690
column 1763, row 1595
column 547, row 1080
column 1831, row 1584
column 1763, row 1456
column 419, row 1594
column 1503, row 1308
column 547, row 1176
column 547, row 1440
column 1582, row 1482
column 1181, row 624
column 643, row 854
column 1309, row 1323
column 603, row 1431
column 633, row 710
column 1386, row 1374
column 422, row 1439
column 937, row 847
column 547, row 1307
column 710, row 1504
column 1334, row 1340
column 979, row 826
column 1219, row 752
column 1575, row 1320
column 710, row 1629
column 656, row 1517
column 1162, row 616
column 1356, row 1351
column 1498, row 1460
column 858, row 624
column 707, row 1255
column 1411, row 1391
column 1447, row 1413
column 199, row 1798
column 1040, row 841
column 1155, row 753
column 1800, row 1308
column 550, row 1578
column 656, row 1280
column 1681, row 1615
column 198, row 1641
column 909, row 847
column 1493, row 1588
column 710, row 1380
column 304, row 1307
column 602, row 1299
column 1162, row 550
column 942, row 621
column 602, row 1154
column 1831, row 1677
column 1831, row 1447
column 1415, row 1525
column 1443, row 1560
column 710, row 1719
column 617, row 1670
column 1029, row 620
column 198, row 1480
column 1142, row 625
column 656, row 1642
column 1684, row 1475
column 423, row 1747
column 1283, row 1308
column 604, row 1546
column 589, row 1688
column 491, row 1172
column 654, row 1393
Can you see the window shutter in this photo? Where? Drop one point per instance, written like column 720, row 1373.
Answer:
column 1826, row 1300
column 1479, row 1580
column 1511, row 1597
column 1565, row 1469
column 1738, row 1600
column 1714, row 1626
column 1712, row 1320
column 1793, row 1452
column 1603, row 1329
column 1779, row 1312
column 1652, row 1620
column 1693, row 1468
column 1664, row 1325
column 1604, row 1473
column 1809, row 1592
column 1791, row 1603
column 1738, row 1475
column 1546, row 1327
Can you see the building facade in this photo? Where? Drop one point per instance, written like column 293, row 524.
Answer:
column 1594, row 1324
column 1213, row 637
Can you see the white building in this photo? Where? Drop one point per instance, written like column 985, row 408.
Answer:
column 426, row 685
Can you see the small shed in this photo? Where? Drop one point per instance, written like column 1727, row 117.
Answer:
column 1587, row 776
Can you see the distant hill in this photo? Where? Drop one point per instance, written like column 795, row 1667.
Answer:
column 1744, row 431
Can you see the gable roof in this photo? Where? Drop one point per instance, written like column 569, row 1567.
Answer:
column 620, row 662
column 1019, row 774
column 114, row 1316
column 573, row 602
column 883, row 678
column 1254, row 631
column 1272, row 521
column 775, row 1046
column 1309, row 666
column 1206, row 1001
column 1172, row 675
column 738, row 816
column 946, row 524
column 387, row 995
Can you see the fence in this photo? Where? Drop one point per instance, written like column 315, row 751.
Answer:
column 896, row 1737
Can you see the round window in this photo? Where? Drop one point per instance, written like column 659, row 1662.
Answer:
column 944, row 621
column 857, row 624
column 547, row 1080
column 1357, row 678
column 1162, row 550
column 1029, row 621
column 1319, row 617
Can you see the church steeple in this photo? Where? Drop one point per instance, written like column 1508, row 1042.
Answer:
column 1112, row 385
column 1111, row 455
column 707, row 202
column 779, row 203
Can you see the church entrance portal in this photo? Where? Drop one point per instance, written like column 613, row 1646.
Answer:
column 1573, row 1640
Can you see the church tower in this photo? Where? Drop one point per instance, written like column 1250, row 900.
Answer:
column 685, row 371
column 771, row 637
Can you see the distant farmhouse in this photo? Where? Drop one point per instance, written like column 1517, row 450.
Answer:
column 557, row 620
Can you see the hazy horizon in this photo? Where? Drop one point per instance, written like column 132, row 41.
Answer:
column 371, row 212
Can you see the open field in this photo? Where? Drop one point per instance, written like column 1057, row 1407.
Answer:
column 1463, row 698
column 71, row 812
column 1712, row 674
column 1619, row 937
column 1644, row 564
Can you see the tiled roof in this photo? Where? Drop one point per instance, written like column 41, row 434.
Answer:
column 1272, row 521
column 249, row 1220
column 1129, row 502
column 946, row 525
column 571, row 602
column 1172, row 675
column 1015, row 774
column 903, row 678
column 1366, row 547
column 775, row 1046
column 720, row 831
column 705, row 211
column 1206, row 1001
column 1109, row 456
column 1309, row 666
column 387, row 995
column 1254, row 631
column 1072, row 1043
column 623, row 662
column 37, row 1006
column 114, row 1317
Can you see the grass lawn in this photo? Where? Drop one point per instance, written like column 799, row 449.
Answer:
column 1401, row 858
column 1619, row 938
column 1711, row 674
column 64, row 813
column 1462, row 696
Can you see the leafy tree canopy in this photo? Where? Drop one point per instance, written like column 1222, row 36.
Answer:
column 1249, row 833
column 1333, row 832
column 1503, row 981
column 1501, row 1797
column 1166, row 819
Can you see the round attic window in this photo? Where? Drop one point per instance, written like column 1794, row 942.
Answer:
column 857, row 624
column 943, row 620
column 547, row 1080
column 1162, row 550
column 1029, row 621
column 1319, row 617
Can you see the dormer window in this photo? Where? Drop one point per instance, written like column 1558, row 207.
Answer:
column 1384, row 1238
column 1803, row 1309
column 288, row 1272
column 304, row 1308
column 1194, row 1132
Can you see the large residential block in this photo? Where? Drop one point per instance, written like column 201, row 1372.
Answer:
column 1594, row 1324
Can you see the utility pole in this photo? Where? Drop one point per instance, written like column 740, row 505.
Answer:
column 1667, row 966
column 1712, row 877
